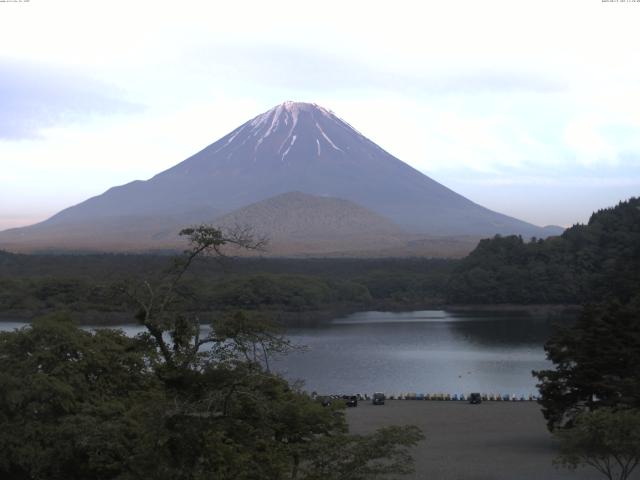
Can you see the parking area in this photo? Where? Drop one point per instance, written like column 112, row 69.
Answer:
column 490, row 441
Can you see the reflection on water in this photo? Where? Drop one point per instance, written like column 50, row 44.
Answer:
column 8, row 326
column 422, row 351
column 396, row 317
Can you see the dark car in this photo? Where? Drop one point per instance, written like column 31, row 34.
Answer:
column 350, row 400
column 378, row 398
column 475, row 398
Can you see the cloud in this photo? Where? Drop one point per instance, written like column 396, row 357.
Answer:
column 578, row 181
column 545, row 200
column 36, row 96
column 586, row 141
column 492, row 81
column 310, row 69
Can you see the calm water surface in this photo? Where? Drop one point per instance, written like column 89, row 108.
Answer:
column 423, row 351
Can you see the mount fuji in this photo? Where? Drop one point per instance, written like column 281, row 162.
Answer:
column 294, row 147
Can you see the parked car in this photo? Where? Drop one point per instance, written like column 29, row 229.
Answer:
column 475, row 398
column 350, row 400
column 378, row 398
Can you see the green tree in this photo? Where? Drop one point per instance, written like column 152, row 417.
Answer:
column 360, row 457
column 606, row 439
column 172, row 403
column 597, row 363
column 162, row 305
column 72, row 402
column 599, row 261
column 229, row 402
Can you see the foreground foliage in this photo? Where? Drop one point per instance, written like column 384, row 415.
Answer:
column 597, row 363
column 73, row 403
column 591, row 399
column 607, row 440
column 76, row 404
column 177, row 402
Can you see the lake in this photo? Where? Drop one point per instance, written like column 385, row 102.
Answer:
column 429, row 351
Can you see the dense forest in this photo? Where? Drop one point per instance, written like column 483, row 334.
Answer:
column 586, row 263
column 583, row 263
column 94, row 286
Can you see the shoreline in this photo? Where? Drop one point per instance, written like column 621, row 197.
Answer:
column 537, row 308
column 309, row 317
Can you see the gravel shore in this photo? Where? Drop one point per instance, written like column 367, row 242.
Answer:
column 491, row 441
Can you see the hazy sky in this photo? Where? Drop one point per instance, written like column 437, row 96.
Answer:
column 529, row 108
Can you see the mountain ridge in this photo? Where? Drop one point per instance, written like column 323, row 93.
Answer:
column 291, row 147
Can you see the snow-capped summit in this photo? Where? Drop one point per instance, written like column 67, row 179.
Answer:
column 294, row 146
column 275, row 132
column 294, row 108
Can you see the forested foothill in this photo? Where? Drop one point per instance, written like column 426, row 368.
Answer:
column 586, row 262
column 91, row 287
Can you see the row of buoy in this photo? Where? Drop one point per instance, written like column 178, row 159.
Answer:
column 486, row 397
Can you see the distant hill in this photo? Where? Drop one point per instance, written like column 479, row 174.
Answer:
column 296, row 222
column 294, row 147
